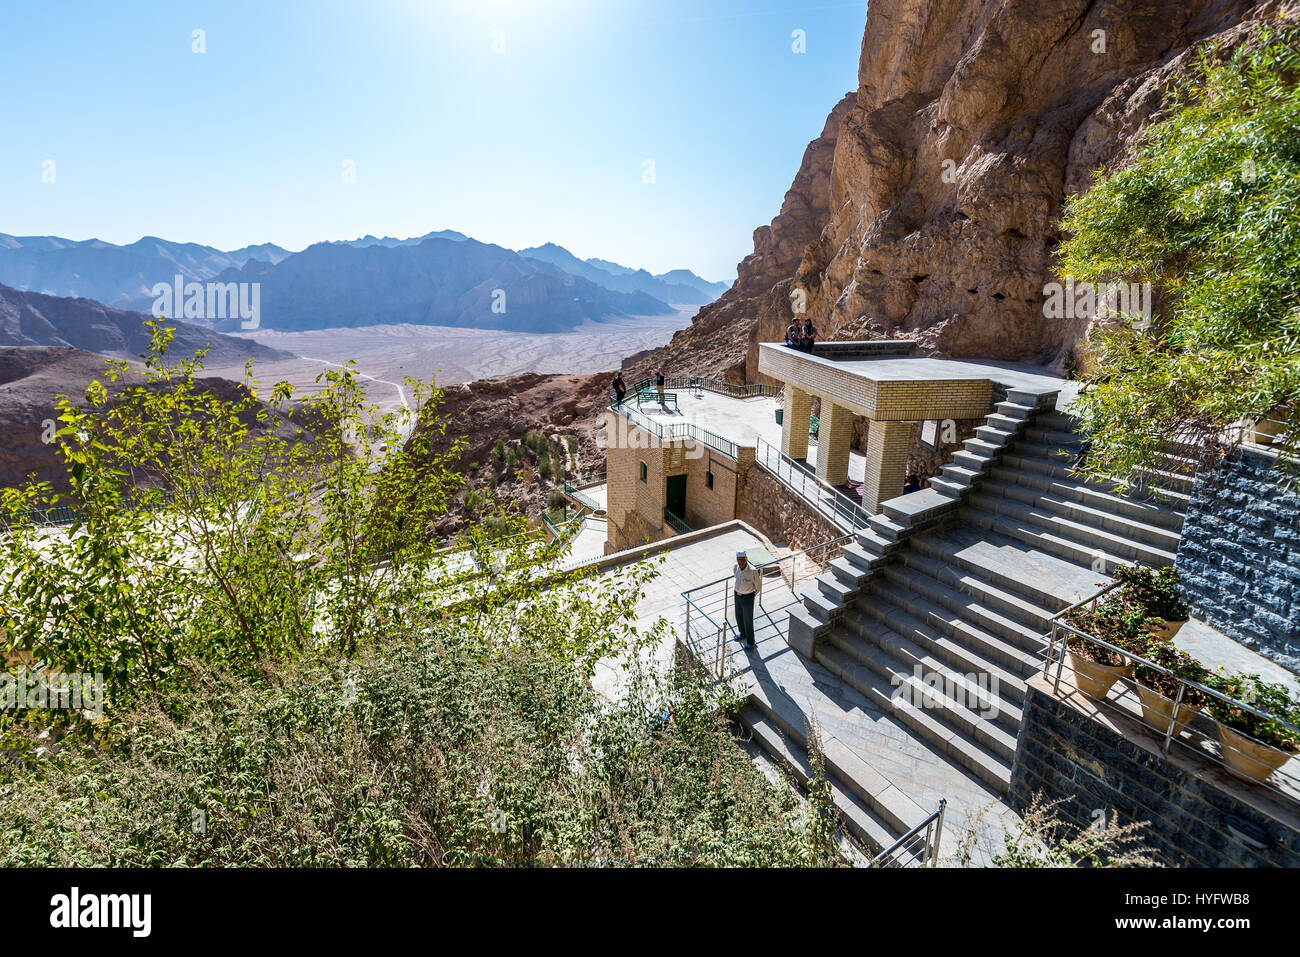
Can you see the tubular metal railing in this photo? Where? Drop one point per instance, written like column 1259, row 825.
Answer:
column 707, row 606
column 829, row 502
column 919, row 847
column 677, row 431
column 677, row 523
column 1173, row 720
column 710, row 385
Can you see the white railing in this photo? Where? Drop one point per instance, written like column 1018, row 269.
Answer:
column 829, row 502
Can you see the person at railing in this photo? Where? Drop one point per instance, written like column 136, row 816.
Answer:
column 620, row 388
column 747, row 587
column 659, row 384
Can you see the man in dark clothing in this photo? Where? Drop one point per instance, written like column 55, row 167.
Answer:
column 620, row 388
column 808, row 335
column 793, row 334
column 659, row 384
column 913, row 484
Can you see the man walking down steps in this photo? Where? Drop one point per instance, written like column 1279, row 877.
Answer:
column 748, row 586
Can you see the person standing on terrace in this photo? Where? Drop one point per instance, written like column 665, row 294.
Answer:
column 748, row 586
column 620, row 388
column 659, row 383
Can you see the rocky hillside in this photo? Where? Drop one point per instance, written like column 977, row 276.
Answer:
column 930, row 205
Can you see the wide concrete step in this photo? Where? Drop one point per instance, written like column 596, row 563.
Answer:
column 913, row 644
column 869, row 828
column 970, row 607
column 911, row 614
column 1006, row 602
column 963, row 705
column 1058, row 469
column 1048, row 581
column 1090, row 515
column 994, row 768
column 880, row 797
column 1078, row 540
column 1151, row 513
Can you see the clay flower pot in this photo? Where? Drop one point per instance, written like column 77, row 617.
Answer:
column 1156, row 709
column 1095, row 679
column 1167, row 630
column 1250, row 759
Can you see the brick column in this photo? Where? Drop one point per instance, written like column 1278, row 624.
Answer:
column 834, row 437
column 795, row 422
column 886, row 462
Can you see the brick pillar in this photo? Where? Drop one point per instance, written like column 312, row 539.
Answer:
column 886, row 462
column 795, row 422
column 834, row 438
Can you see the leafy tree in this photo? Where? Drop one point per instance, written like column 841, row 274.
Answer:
column 1206, row 213
column 298, row 672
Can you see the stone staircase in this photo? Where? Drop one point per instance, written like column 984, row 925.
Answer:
column 959, row 583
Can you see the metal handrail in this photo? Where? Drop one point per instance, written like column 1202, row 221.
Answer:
column 677, row 431
column 932, row 826
column 829, row 502
column 677, row 523
column 694, row 599
column 1055, row 654
column 747, row 391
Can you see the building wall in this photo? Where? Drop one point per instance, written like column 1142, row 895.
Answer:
column 635, row 508
column 767, row 505
column 705, row 506
column 1239, row 557
column 1199, row 816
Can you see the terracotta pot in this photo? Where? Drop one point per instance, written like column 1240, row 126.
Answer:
column 1093, row 679
column 1156, row 709
column 1250, row 759
column 1168, row 630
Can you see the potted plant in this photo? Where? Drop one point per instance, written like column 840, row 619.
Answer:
column 1254, row 747
column 1158, row 690
column 1157, row 593
column 1095, row 666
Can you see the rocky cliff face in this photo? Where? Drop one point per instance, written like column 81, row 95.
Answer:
column 939, row 214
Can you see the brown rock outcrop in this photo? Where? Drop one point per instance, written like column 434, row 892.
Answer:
column 973, row 121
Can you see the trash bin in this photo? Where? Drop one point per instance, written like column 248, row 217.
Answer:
column 779, row 415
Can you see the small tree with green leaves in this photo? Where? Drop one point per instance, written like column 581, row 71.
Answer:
column 1206, row 213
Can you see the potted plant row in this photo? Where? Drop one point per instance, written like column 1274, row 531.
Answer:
column 1140, row 617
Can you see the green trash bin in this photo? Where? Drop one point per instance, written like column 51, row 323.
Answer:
column 780, row 414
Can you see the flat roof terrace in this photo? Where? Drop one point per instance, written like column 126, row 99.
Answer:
column 893, row 389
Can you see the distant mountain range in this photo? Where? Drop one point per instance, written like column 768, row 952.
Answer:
column 681, row 286
column 441, row 278
column 438, row 282
column 34, row 319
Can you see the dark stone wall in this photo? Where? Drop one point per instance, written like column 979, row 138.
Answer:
column 1239, row 557
column 1063, row 752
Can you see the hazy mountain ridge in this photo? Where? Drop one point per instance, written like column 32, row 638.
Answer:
column 684, row 288
column 460, row 283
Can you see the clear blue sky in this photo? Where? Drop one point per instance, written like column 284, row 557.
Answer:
column 545, row 141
